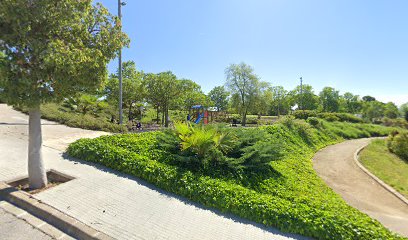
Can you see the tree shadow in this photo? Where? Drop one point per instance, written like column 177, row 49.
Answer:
column 183, row 199
column 26, row 124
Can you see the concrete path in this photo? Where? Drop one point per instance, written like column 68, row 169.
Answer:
column 119, row 205
column 335, row 164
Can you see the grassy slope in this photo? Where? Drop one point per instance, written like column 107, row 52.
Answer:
column 386, row 165
column 294, row 199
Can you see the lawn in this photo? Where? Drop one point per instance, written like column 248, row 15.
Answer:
column 385, row 165
column 284, row 192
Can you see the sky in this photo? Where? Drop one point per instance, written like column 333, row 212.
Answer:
column 353, row 46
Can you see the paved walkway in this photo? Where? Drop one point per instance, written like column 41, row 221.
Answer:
column 119, row 205
column 335, row 164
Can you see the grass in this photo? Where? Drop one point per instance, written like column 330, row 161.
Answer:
column 385, row 165
column 57, row 113
column 292, row 197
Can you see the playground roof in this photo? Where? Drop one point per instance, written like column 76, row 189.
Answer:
column 197, row 106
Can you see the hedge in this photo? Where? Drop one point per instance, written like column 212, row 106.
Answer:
column 294, row 199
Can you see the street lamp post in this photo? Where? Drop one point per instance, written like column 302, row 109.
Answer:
column 120, row 4
column 301, row 94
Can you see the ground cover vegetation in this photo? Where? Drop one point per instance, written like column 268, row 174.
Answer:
column 262, row 174
column 389, row 167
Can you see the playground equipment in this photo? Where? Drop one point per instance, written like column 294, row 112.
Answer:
column 201, row 114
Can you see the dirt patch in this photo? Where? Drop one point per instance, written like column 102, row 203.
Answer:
column 54, row 177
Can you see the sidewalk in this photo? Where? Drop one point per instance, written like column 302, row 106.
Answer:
column 119, row 205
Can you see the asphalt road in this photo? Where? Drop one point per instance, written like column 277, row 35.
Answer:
column 12, row 228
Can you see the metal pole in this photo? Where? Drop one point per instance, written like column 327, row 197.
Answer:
column 120, row 67
column 301, row 94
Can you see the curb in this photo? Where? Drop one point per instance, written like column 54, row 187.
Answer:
column 375, row 178
column 49, row 214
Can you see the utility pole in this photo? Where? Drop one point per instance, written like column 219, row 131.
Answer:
column 301, row 94
column 120, row 4
column 279, row 104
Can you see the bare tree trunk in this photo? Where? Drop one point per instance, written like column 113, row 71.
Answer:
column 166, row 115
column 37, row 176
column 244, row 118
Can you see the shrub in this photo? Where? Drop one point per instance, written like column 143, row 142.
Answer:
column 313, row 121
column 331, row 117
column 304, row 114
column 291, row 196
column 54, row 112
column 398, row 143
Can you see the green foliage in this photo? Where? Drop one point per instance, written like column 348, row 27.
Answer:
column 390, row 168
column 313, row 121
column 245, row 88
column 219, row 96
column 304, row 97
column 291, row 197
column 398, row 143
column 331, row 117
column 329, row 98
column 54, row 112
column 55, row 49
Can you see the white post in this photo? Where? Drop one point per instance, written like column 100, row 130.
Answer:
column 37, row 176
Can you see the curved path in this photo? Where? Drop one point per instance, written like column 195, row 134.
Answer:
column 335, row 165
column 117, row 204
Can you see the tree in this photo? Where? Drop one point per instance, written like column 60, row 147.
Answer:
column 132, row 88
column 308, row 100
column 329, row 98
column 244, row 84
column 191, row 95
column 219, row 96
column 369, row 99
column 54, row 49
column 373, row 110
column 350, row 103
column 280, row 103
column 391, row 110
column 262, row 100
column 404, row 111
column 162, row 90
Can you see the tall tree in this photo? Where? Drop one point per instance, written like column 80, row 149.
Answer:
column 305, row 97
column 191, row 95
column 351, row 103
column 219, row 96
column 391, row 110
column 132, row 88
column 373, row 110
column 404, row 111
column 162, row 90
column 53, row 49
column 242, row 82
column 369, row 99
column 281, row 101
column 329, row 98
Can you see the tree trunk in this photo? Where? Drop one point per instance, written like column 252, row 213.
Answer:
column 157, row 115
column 166, row 116
column 244, row 116
column 37, row 176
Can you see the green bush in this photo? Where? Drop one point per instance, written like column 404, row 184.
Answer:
column 399, row 122
column 331, row 117
column 304, row 114
column 291, row 197
column 313, row 121
column 398, row 143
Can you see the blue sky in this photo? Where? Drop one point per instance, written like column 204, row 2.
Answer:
column 357, row 46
